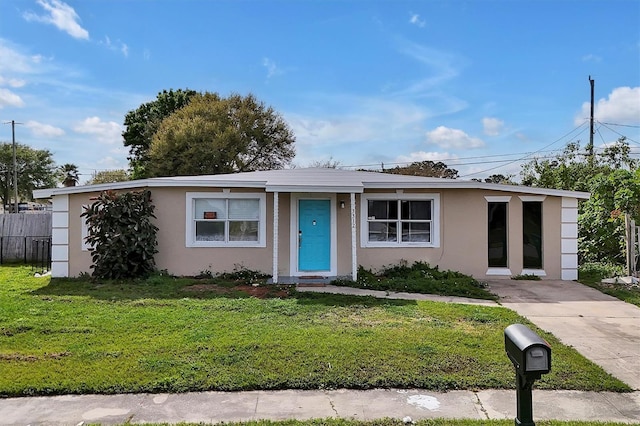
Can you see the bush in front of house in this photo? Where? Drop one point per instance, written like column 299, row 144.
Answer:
column 122, row 236
column 419, row 277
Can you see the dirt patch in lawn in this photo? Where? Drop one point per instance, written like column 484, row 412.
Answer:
column 260, row 292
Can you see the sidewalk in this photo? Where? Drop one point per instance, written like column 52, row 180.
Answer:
column 333, row 289
column 215, row 407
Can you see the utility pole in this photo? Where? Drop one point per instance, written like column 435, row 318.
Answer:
column 15, row 165
column 590, row 146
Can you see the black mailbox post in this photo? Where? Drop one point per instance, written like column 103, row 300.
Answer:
column 531, row 357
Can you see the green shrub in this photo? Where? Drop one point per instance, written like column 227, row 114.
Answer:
column 526, row 277
column 596, row 271
column 122, row 237
column 419, row 278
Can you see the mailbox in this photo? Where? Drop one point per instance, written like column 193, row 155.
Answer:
column 531, row 356
column 529, row 353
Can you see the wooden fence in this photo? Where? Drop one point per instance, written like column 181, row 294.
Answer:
column 25, row 237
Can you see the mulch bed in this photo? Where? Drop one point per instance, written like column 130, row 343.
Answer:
column 260, row 292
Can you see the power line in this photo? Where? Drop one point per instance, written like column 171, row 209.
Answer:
column 535, row 152
column 621, row 125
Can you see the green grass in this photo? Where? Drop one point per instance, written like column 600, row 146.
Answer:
column 592, row 275
column 419, row 278
column 157, row 335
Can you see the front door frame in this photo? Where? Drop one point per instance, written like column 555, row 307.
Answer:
column 293, row 242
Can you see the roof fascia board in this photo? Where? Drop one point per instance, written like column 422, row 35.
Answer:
column 147, row 183
column 315, row 188
column 478, row 185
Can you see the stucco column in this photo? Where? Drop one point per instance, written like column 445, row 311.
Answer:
column 354, row 248
column 275, row 238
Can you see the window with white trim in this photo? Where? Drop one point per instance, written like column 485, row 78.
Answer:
column 401, row 220
column 226, row 219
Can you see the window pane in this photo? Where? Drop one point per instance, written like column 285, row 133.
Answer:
column 209, row 231
column 243, row 230
column 244, row 209
column 416, row 210
column 383, row 209
column 210, row 206
column 383, row 231
column 532, row 234
column 497, row 235
column 416, row 232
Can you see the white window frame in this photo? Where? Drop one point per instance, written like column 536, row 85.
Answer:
column 435, row 219
column 190, row 233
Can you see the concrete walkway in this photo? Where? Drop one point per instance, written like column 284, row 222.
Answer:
column 215, row 407
column 393, row 295
column 604, row 329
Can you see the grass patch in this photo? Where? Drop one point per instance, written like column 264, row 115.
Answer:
column 158, row 335
column 419, row 278
column 592, row 274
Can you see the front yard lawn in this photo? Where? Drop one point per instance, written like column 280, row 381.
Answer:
column 174, row 335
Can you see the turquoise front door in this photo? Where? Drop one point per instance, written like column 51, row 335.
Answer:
column 314, row 235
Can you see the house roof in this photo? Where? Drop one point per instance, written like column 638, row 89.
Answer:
column 309, row 180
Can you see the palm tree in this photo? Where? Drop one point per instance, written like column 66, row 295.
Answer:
column 69, row 174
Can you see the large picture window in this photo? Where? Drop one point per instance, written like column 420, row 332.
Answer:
column 225, row 219
column 397, row 220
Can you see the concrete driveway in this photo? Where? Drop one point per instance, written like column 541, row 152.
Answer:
column 602, row 328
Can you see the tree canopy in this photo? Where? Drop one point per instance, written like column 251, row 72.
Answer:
column 142, row 123
column 425, row 168
column 36, row 169
column 69, row 174
column 108, row 176
column 213, row 135
column 612, row 178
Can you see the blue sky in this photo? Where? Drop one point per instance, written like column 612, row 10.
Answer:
column 478, row 85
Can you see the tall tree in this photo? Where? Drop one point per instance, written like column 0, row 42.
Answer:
column 36, row 169
column 108, row 176
column 213, row 135
column 143, row 122
column 613, row 180
column 425, row 168
column 69, row 174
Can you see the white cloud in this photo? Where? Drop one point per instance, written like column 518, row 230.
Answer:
column 415, row 20
column 591, row 58
column 492, row 126
column 117, row 46
column 8, row 98
column 14, row 62
column 448, row 138
column 12, row 82
column 272, row 68
column 358, row 119
column 108, row 132
column 425, row 156
column 44, row 130
column 621, row 107
column 441, row 66
column 62, row 16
